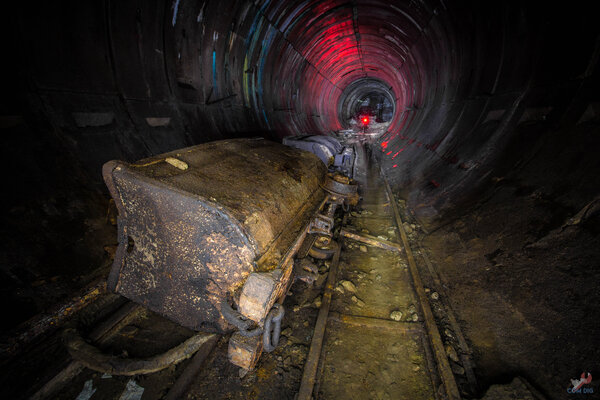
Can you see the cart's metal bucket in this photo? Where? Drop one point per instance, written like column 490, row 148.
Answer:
column 195, row 223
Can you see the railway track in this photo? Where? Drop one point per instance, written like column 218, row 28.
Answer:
column 372, row 333
column 380, row 339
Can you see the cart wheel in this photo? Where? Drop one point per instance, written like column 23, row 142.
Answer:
column 323, row 253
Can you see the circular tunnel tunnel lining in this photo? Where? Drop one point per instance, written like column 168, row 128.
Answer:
column 366, row 94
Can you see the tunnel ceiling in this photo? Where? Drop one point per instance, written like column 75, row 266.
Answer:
column 129, row 79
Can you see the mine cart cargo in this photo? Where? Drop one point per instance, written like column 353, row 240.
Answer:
column 195, row 224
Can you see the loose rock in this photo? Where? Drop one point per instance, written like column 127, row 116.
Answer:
column 286, row 332
column 349, row 286
column 317, row 302
column 451, row 353
column 457, row 369
column 435, row 296
column 363, row 248
column 396, row 315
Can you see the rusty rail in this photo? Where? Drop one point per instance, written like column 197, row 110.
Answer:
column 44, row 323
column 99, row 334
column 182, row 383
column 373, row 322
column 370, row 240
column 312, row 360
column 435, row 338
column 465, row 353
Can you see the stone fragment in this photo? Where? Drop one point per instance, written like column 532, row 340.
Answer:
column 435, row 296
column 363, row 248
column 317, row 302
column 457, row 369
column 287, row 331
column 396, row 315
column 349, row 286
column 451, row 353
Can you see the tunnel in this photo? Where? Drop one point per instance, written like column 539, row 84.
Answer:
column 487, row 136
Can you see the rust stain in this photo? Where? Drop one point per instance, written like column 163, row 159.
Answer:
column 190, row 236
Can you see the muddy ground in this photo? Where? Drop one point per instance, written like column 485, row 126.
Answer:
column 523, row 279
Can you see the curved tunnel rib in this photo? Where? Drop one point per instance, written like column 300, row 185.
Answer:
column 489, row 98
column 201, row 71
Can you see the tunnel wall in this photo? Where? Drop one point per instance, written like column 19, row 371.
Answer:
column 130, row 79
column 490, row 85
column 482, row 89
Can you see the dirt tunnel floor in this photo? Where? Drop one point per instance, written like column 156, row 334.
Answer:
column 526, row 299
column 359, row 362
column 525, row 292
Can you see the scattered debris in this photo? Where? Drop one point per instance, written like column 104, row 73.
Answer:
column 317, row 302
column 517, row 389
column 435, row 296
column 349, row 286
column 451, row 353
column 287, row 332
column 363, row 248
column 87, row 391
column 457, row 369
column 358, row 301
column 132, row 391
column 182, row 165
column 396, row 315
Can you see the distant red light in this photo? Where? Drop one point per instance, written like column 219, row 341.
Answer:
column 365, row 120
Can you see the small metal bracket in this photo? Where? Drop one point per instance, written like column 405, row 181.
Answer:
column 305, row 271
column 321, row 225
